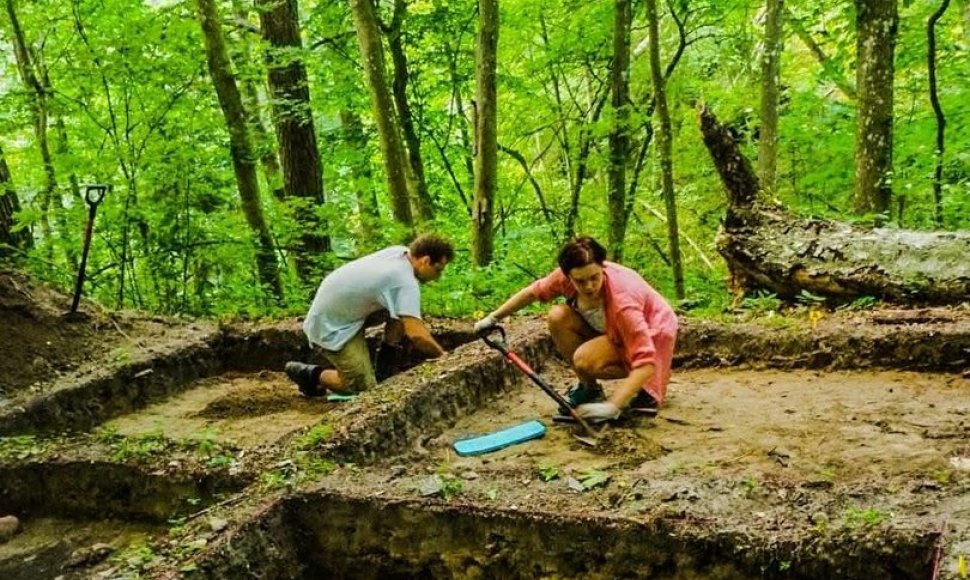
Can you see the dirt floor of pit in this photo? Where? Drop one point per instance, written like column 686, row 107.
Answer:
column 762, row 449
column 64, row 549
column 803, row 425
column 242, row 409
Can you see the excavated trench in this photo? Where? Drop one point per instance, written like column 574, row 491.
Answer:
column 822, row 450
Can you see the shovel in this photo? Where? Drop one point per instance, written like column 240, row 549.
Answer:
column 499, row 344
column 93, row 195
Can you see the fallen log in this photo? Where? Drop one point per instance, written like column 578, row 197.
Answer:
column 767, row 247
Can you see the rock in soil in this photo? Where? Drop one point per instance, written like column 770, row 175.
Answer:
column 9, row 525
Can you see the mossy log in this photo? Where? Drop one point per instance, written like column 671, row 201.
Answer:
column 767, row 247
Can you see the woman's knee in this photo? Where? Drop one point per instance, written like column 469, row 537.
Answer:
column 560, row 317
column 586, row 361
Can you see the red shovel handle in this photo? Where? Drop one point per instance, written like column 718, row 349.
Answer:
column 499, row 344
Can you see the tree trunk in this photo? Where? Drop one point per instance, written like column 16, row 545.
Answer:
column 372, row 54
column 767, row 248
column 40, row 111
column 9, row 205
column 620, row 134
column 876, row 24
column 62, row 149
column 770, row 70
column 422, row 202
column 241, row 150
column 938, row 112
column 486, row 133
column 664, row 146
column 360, row 170
column 299, row 154
column 264, row 144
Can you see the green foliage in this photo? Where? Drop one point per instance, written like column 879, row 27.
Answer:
column 856, row 517
column 750, row 486
column 139, row 112
column 593, row 478
column 138, row 556
column 141, row 447
column 861, row 303
column 451, row 486
column 21, row 447
column 548, row 472
column 315, row 436
column 761, row 302
column 807, row 298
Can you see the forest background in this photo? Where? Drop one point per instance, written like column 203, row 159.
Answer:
column 252, row 148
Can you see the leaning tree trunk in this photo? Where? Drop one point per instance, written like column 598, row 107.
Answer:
column 620, row 134
column 299, row 154
column 9, row 205
column 768, row 248
column 486, row 133
column 241, row 150
column 372, row 55
column 876, row 24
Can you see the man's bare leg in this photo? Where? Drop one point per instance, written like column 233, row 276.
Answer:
column 331, row 379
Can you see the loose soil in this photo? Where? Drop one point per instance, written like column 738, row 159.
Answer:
column 42, row 345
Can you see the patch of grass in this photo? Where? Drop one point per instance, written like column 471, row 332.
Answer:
column 761, row 302
column 314, row 467
column 861, row 303
column 141, row 447
column 807, row 298
column 943, row 476
column 750, row 486
column 451, row 487
column 315, row 436
column 21, row 447
column 139, row 557
column 856, row 517
column 548, row 472
column 828, row 474
column 274, row 479
column 121, row 354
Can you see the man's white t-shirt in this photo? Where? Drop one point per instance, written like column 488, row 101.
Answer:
column 383, row 280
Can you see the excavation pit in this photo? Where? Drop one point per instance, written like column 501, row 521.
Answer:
column 806, row 452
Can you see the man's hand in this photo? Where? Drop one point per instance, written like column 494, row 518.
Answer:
column 485, row 323
column 598, row 412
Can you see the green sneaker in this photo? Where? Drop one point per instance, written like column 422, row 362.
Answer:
column 580, row 394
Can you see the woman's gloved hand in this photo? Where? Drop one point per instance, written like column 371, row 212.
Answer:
column 598, row 412
column 485, row 323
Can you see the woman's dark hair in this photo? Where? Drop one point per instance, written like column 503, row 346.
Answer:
column 433, row 246
column 581, row 252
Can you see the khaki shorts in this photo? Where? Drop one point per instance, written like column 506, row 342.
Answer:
column 354, row 364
